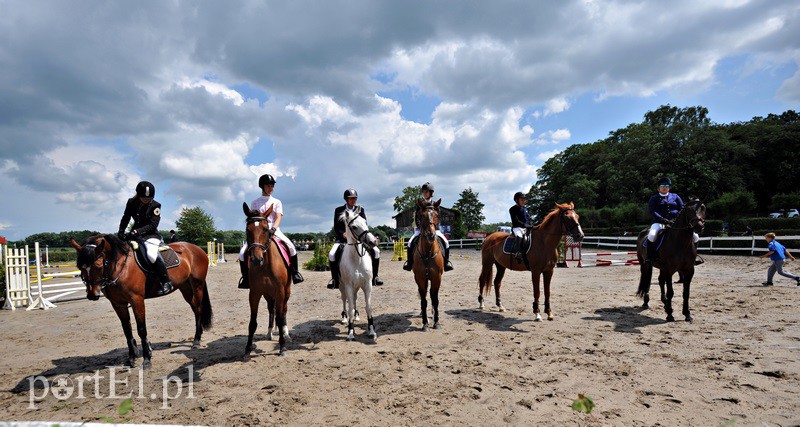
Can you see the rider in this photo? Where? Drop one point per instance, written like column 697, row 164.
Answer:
column 427, row 195
column 340, row 229
column 146, row 214
column 520, row 220
column 262, row 204
column 664, row 207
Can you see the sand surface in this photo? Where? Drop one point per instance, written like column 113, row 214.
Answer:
column 738, row 360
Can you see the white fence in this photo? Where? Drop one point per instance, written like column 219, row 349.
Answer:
column 721, row 245
column 41, row 289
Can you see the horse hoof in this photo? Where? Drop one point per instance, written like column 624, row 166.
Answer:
column 482, row 307
column 131, row 363
column 374, row 337
column 344, row 321
column 645, row 306
column 689, row 319
column 350, row 337
column 538, row 318
column 146, row 364
column 670, row 318
column 425, row 328
column 501, row 308
column 269, row 336
column 437, row 326
column 283, row 352
column 550, row 317
column 195, row 345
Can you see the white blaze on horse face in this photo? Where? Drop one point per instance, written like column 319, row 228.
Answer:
column 256, row 223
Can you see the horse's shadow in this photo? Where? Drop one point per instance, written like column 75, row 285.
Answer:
column 315, row 331
column 493, row 321
column 625, row 319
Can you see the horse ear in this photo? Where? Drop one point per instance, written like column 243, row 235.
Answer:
column 101, row 245
column 75, row 245
column 246, row 209
column 437, row 203
column 269, row 211
column 420, row 203
column 571, row 205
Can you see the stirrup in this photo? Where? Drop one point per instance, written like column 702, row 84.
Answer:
column 244, row 284
column 164, row 289
column 448, row 266
column 407, row 266
column 297, row 277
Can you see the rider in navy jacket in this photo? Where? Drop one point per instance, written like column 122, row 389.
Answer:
column 664, row 207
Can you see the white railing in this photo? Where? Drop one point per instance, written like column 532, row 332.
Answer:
column 706, row 244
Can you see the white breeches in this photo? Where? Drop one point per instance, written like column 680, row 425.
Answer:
column 332, row 254
column 518, row 231
column 279, row 234
column 151, row 246
column 438, row 233
column 651, row 235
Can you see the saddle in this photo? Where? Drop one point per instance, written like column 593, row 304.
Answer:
column 284, row 251
column 517, row 247
column 171, row 260
column 659, row 240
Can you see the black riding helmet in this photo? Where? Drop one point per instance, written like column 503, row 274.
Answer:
column 427, row 186
column 664, row 181
column 265, row 179
column 145, row 189
column 518, row 195
column 350, row 192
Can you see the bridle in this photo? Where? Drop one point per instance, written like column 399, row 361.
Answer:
column 563, row 215
column 693, row 222
column 427, row 230
column 426, row 259
column 251, row 246
column 359, row 237
column 105, row 279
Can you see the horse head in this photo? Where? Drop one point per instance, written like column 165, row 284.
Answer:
column 429, row 214
column 92, row 260
column 694, row 214
column 569, row 221
column 358, row 227
column 259, row 235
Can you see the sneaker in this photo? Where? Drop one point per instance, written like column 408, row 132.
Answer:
column 770, row 283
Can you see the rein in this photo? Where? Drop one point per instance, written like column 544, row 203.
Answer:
column 566, row 230
column 691, row 222
column 105, row 280
column 251, row 246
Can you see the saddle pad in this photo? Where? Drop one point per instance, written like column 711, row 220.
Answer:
column 284, row 251
column 171, row 259
column 508, row 245
column 658, row 242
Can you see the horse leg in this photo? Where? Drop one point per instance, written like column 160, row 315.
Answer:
column 271, row 309
column 356, row 317
column 535, row 280
column 282, row 306
column 548, row 275
column 125, row 318
column 255, row 298
column 351, row 312
column 436, row 282
column 370, row 320
column 422, row 287
column 141, row 327
column 344, row 304
column 190, row 295
column 667, row 279
column 501, row 271
column 687, row 282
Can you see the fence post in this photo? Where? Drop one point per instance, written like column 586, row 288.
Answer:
column 711, row 244
column 40, row 302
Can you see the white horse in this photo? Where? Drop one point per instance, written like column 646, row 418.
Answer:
column 355, row 270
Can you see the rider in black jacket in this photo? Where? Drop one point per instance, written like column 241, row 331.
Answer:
column 146, row 214
column 340, row 229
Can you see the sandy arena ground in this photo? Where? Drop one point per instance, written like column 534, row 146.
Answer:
column 738, row 360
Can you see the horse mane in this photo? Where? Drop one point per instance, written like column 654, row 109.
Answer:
column 116, row 247
column 552, row 215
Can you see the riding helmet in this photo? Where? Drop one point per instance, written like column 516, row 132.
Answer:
column 664, row 181
column 518, row 195
column 427, row 186
column 265, row 179
column 350, row 192
column 145, row 189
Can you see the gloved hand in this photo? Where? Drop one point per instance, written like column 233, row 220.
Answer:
column 130, row 236
column 670, row 222
column 272, row 230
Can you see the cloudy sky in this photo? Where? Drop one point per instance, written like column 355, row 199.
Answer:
column 202, row 97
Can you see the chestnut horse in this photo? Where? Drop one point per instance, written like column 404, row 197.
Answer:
column 676, row 252
column 428, row 260
column 269, row 278
column 540, row 259
column 107, row 266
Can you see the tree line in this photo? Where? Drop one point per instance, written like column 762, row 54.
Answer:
column 737, row 169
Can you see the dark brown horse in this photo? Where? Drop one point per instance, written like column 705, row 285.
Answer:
column 428, row 260
column 675, row 253
column 540, row 259
column 269, row 278
column 108, row 267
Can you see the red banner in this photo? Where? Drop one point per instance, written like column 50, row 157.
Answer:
column 2, row 240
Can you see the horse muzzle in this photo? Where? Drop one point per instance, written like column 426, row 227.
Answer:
column 91, row 296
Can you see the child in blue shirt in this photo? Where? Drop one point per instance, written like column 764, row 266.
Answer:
column 777, row 253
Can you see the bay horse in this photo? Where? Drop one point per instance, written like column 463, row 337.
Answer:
column 107, row 267
column 428, row 260
column 269, row 278
column 540, row 258
column 356, row 270
column 676, row 252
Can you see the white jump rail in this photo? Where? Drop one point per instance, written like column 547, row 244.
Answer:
column 50, row 291
column 17, row 278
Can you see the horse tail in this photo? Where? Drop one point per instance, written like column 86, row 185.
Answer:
column 487, row 264
column 207, row 314
column 645, row 279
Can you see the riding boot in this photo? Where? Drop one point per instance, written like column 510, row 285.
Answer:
column 409, row 265
column 163, row 276
column 334, row 283
column 244, row 282
column 699, row 259
column 296, row 276
column 447, row 265
column 376, row 281
column 650, row 253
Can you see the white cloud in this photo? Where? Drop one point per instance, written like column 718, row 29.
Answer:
column 555, row 106
column 557, row 136
column 543, row 156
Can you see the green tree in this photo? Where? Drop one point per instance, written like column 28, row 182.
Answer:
column 195, row 226
column 733, row 205
column 471, row 209
column 786, row 201
column 408, row 199
column 458, row 230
